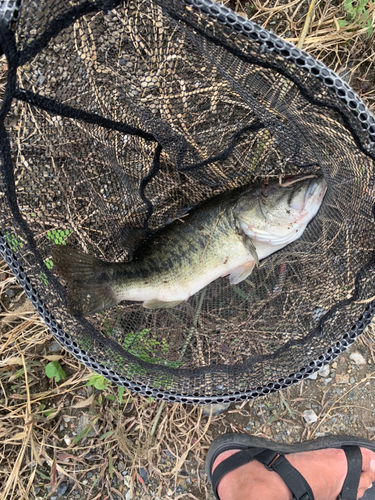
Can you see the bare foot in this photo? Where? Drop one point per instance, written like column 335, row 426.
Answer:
column 324, row 470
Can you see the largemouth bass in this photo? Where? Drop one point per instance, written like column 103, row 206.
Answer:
column 225, row 235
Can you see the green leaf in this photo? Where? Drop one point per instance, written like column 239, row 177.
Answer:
column 84, row 433
column 370, row 27
column 58, row 236
column 342, row 23
column 54, row 370
column 111, row 397
column 50, row 413
column 16, row 375
column 43, row 475
column 110, row 465
column 105, row 435
column 48, row 263
column 98, row 381
column 13, row 241
column 43, row 278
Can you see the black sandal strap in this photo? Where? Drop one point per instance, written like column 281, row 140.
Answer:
column 296, row 483
column 350, row 487
column 272, row 460
column 231, row 463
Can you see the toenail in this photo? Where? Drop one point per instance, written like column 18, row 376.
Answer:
column 370, row 486
column 372, row 465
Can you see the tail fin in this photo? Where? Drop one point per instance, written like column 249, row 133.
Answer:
column 88, row 280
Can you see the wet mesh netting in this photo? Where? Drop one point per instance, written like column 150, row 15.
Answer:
column 119, row 116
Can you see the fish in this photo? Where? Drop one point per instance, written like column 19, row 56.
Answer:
column 227, row 235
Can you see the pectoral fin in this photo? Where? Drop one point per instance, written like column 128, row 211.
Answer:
column 241, row 272
column 249, row 244
column 159, row 304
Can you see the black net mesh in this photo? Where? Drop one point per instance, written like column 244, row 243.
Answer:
column 118, row 116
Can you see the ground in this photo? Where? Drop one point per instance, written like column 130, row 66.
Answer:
column 67, row 440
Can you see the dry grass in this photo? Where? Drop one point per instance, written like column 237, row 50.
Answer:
column 347, row 50
column 140, row 432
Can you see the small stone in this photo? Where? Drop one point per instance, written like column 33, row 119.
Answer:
column 310, row 416
column 54, row 347
column 61, row 489
column 357, row 358
column 216, row 409
column 324, row 371
column 89, row 474
column 313, row 376
column 127, row 496
column 169, row 492
column 327, row 380
column 143, row 474
column 120, row 466
column 346, row 72
column 334, row 365
column 67, row 439
column 352, row 380
column 10, row 293
column 342, row 379
column 83, row 422
column 84, row 481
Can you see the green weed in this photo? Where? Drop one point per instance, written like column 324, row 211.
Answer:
column 357, row 13
column 58, row 236
column 98, row 381
column 143, row 347
column 55, row 370
column 13, row 242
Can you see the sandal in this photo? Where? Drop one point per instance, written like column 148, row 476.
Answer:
column 271, row 455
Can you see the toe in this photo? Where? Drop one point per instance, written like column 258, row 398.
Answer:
column 367, row 478
column 368, row 460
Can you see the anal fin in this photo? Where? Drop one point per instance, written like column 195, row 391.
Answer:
column 160, row 304
column 241, row 272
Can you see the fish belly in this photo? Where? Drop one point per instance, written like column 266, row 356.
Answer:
column 177, row 286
